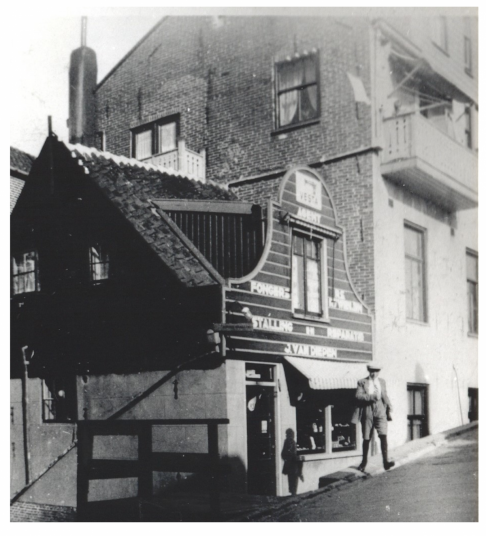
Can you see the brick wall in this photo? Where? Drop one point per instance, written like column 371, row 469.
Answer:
column 220, row 75
column 25, row 511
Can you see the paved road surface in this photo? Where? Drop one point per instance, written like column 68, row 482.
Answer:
column 443, row 486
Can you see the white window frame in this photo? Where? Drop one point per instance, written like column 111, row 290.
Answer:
column 423, row 263
column 323, row 315
column 470, row 306
column 23, row 275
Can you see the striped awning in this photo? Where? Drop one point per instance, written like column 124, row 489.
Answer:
column 325, row 375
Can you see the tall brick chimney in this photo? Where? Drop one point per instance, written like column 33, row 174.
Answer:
column 83, row 72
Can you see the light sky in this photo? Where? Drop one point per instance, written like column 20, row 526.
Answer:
column 40, row 50
column 42, row 37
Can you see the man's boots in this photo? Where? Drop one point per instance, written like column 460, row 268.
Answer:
column 366, row 448
column 384, row 451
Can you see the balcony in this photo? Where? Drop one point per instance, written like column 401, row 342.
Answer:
column 426, row 161
column 183, row 160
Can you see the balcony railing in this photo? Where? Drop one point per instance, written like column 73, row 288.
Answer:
column 429, row 162
column 183, row 160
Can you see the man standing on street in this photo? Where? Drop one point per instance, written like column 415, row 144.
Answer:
column 373, row 410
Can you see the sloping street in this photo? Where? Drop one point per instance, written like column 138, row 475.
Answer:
column 441, row 486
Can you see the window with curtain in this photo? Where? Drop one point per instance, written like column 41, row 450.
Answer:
column 308, row 265
column 415, row 274
column 155, row 138
column 25, row 277
column 472, row 291
column 417, row 411
column 99, row 263
column 297, row 91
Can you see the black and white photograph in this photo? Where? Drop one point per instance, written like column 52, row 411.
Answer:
column 244, row 264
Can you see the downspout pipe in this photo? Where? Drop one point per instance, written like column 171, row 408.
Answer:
column 25, row 427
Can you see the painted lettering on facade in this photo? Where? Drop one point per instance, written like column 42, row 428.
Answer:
column 345, row 334
column 308, row 191
column 346, row 305
column 309, row 215
column 267, row 289
column 272, row 324
column 309, row 350
column 340, row 302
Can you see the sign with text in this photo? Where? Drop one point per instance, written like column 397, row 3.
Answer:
column 308, row 190
column 267, row 289
column 310, row 350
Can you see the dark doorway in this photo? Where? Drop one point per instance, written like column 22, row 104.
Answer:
column 473, row 404
column 418, row 425
column 260, row 425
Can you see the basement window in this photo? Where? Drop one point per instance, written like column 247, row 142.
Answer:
column 25, row 276
column 159, row 137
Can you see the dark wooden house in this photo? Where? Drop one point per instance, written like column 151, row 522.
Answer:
column 140, row 294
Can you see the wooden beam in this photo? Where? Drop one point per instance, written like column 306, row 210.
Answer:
column 215, row 206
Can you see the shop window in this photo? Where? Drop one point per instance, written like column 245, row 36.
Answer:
column 25, row 272
column 439, row 37
column 99, row 263
column 58, row 400
column 472, row 291
column 309, row 279
column 415, row 273
column 324, row 425
column 343, row 431
column 417, row 411
column 297, row 91
column 155, row 138
column 468, row 126
column 311, row 428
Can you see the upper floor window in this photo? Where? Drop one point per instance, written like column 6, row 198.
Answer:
column 415, row 273
column 467, row 45
column 439, row 36
column 309, row 290
column 99, row 263
column 25, row 276
column 297, row 91
column 472, row 291
column 58, row 400
column 156, row 138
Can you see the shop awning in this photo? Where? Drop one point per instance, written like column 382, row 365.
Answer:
column 325, row 375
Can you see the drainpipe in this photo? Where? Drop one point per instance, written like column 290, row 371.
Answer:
column 458, row 394
column 25, row 427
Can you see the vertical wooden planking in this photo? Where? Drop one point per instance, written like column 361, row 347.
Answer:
column 213, row 452
column 85, row 455
column 145, row 482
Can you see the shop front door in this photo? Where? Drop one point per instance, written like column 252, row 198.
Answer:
column 260, row 419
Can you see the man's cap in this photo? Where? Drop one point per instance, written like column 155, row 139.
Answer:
column 373, row 366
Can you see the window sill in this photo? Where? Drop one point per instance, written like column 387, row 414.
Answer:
column 468, row 72
column 290, row 128
column 417, row 322
column 330, row 455
column 310, row 318
column 472, row 335
column 443, row 50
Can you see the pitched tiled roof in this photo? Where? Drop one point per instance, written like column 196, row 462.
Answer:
column 20, row 164
column 130, row 185
column 20, row 161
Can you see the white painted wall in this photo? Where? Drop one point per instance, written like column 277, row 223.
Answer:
column 423, row 353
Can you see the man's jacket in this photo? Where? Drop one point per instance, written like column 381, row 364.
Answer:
column 364, row 400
